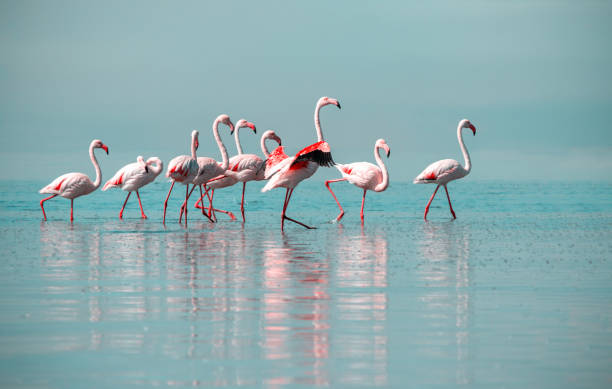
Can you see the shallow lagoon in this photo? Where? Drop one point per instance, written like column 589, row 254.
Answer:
column 517, row 292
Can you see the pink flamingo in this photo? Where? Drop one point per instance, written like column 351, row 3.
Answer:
column 446, row 170
column 183, row 169
column 292, row 170
column 365, row 175
column 276, row 156
column 134, row 176
column 73, row 185
column 240, row 166
column 209, row 168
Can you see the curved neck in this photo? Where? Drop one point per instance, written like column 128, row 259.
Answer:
column 264, row 149
column 318, row 123
column 222, row 149
column 237, row 139
column 96, row 166
column 385, row 175
column 466, row 155
column 156, row 166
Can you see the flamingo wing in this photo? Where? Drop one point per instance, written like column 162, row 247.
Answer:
column 181, row 167
column 319, row 153
column 438, row 171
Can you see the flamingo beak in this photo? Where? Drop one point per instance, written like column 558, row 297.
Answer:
column 473, row 128
column 338, row 104
column 105, row 148
column 252, row 127
column 388, row 152
column 197, row 144
column 231, row 126
column 146, row 169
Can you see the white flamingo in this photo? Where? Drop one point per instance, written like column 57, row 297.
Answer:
column 73, row 185
column 209, row 168
column 183, row 169
column 446, row 170
column 134, row 176
column 365, row 175
column 292, row 170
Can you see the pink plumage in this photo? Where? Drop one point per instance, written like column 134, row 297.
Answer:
column 73, row 185
column 446, row 170
column 364, row 175
column 134, row 176
column 290, row 171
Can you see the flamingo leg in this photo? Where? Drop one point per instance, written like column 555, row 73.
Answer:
column 42, row 205
column 166, row 202
column 213, row 210
column 200, row 201
column 71, row 207
column 184, row 206
column 125, row 202
column 449, row 203
column 290, row 192
column 335, row 198
column 242, row 201
column 362, row 204
column 187, row 193
column 430, row 200
column 142, row 214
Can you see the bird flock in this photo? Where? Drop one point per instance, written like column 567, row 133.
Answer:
column 278, row 168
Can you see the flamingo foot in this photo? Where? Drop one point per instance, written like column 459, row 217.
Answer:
column 339, row 217
column 300, row 223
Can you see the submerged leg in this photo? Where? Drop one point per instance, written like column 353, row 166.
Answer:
column 449, row 203
column 125, row 202
column 335, row 198
column 429, row 203
column 42, row 205
column 142, row 214
column 362, row 204
column 166, row 202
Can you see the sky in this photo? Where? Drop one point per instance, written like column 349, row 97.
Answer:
column 533, row 76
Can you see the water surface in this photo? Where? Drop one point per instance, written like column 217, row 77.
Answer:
column 516, row 292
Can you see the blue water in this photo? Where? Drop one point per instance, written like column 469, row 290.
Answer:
column 515, row 293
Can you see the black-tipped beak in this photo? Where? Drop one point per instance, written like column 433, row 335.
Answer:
column 105, row 148
column 146, row 169
column 339, row 107
column 388, row 153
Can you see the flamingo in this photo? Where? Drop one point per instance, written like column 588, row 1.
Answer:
column 183, row 169
column 446, row 170
column 243, row 166
column 209, row 168
column 276, row 156
column 365, row 175
column 73, row 185
column 134, row 176
column 292, row 170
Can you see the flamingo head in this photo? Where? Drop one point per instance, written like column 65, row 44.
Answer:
column 328, row 100
column 244, row 123
column 383, row 145
column 142, row 163
column 97, row 144
column 467, row 124
column 225, row 119
column 194, row 138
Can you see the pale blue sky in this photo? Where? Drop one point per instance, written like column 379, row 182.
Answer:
column 533, row 76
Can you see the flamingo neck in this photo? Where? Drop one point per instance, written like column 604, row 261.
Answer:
column 318, row 122
column 237, row 139
column 193, row 147
column 466, row 155
column 383, row 168
column 156, row 165
column 264, row 149
column 96, row 166
column 222, row 149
